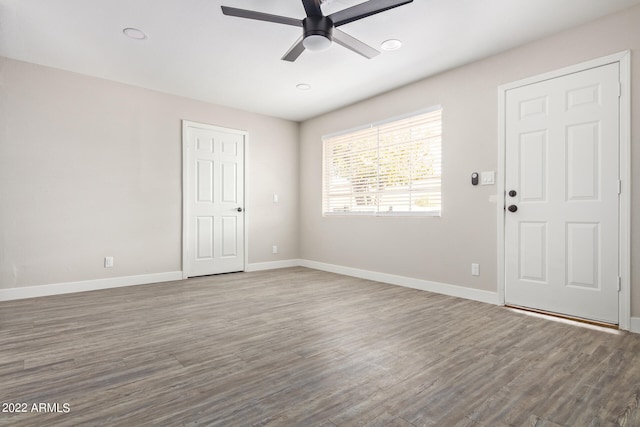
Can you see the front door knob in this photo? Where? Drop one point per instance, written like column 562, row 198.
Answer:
column 512, row 193
column 512, row 208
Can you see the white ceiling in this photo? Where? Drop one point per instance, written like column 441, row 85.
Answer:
column 194, row 51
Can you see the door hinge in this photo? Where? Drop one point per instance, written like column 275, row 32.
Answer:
column 619, row 89
column 619, row 283
column 619, row 186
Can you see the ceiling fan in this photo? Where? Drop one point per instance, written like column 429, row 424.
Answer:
column 320, row 30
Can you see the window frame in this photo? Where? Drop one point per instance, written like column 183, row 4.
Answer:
column 377, row 213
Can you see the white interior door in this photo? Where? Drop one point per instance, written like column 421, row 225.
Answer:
column 214, row 192
column 562, row 175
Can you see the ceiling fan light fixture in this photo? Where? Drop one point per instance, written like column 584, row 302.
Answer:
column 316, row 43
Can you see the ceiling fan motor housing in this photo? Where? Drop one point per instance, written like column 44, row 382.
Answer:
column 318, row 26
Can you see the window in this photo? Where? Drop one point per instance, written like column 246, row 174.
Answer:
column 390, row 168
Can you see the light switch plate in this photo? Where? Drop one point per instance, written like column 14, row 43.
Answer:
column 475, row 269
column 487, row 178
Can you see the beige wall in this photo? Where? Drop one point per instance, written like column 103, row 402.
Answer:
column 90, row 168
column 442, row 249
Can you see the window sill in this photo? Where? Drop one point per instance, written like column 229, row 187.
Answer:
column 436, row 214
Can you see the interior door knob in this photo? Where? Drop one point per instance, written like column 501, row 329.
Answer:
column 512, row 193
column 239, row 209
column 512, row 208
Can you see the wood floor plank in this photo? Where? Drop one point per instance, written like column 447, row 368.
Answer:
column 303, row 347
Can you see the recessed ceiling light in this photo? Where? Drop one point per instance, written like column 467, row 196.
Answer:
column 391, row 44
column 303, row 86
column 134, row 33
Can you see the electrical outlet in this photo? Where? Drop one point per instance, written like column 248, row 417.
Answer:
column 108, row 262
column 275, row 198
column 274, row 249
column 475, row 269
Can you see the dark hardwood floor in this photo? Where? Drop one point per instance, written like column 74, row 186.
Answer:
column 299, row 347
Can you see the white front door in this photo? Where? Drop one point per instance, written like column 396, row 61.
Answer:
column 562, row 176
column 214, row 200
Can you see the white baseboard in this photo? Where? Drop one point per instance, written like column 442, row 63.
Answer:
column 87, row 285
column 409, row 282
column 272, row 265
column 116, row 282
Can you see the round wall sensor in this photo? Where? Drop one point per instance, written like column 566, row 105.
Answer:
column 134, row 33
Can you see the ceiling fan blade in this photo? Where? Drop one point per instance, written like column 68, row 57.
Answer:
column 295, row 51
column 344, row 39
column 363, row 10
column 312, row 7
column 259, row 16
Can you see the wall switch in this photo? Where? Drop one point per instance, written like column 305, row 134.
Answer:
column 274, row 249
column 275, row 198
column 487, row 178
column 475, row 269
column 108, row 262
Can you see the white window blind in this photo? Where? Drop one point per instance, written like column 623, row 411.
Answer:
column 392, row 168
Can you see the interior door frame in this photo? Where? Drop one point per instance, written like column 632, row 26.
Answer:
column 185, row 181
column 624, row 268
